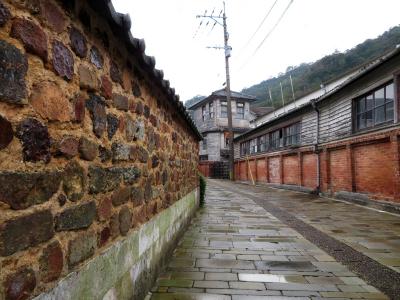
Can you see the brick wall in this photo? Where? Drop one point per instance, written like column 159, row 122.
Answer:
column 291, row 170
column 274, row 169
column 368, row 164
column 90, row 146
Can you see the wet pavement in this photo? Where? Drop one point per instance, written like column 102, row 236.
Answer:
column 246, row 244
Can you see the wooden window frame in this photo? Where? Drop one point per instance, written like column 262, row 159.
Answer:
column 224, row 109
column 356, row 113
column 240, row 115
column 211, row 110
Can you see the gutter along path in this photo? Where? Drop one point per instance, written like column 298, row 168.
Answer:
column 244, row 245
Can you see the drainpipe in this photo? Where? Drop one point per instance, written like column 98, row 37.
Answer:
column 316, row 147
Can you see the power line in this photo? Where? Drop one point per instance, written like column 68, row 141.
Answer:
column 259, row 26
column 273, row 28
column 268, row 34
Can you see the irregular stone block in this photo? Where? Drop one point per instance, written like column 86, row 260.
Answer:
column 121, row 196
column 81, row 248
column 96, row 107
column 137, row 196
column 121, row 152
column 79, row 108
column 104, row 236
column 121, row 102
column 53, row 15
column 74, row 181
column 21, row 190
column 106, row 87
column 141, row 154
column 155, row 161
column 87, row 78
column 19, row 286
column 24, row 232
column 139, row 108
column 104, row 154
column 154, row 120
column 125, row 220
column 136, row 89
column 88, row 149
column 5, row 14
column 134, row 129
column 148, row 190
column 63, row 61
column 115, row 73
column 78, row 42
column 32, row 36
column 112, row 125
column 35, row 140
column 13, row 68
column 50, row 102
column 68, row 146
column 96, row 58
column 51, row 262
column 76, row 217
column 104, row 209
column 107, row 179
column 146, row 111
column 6, row 133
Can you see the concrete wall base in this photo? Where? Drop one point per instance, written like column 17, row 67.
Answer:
column 129, row 268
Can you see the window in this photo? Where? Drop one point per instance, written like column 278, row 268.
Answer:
column 375, row 108
column 204, row 143
column 276, row 139
column 203, row 157
column 239, row 110
column 211, row 110
column 262, row 143
column 253, row 146
column 292, row 135
column 204, row 113
column 245, row 148
column 224, row 109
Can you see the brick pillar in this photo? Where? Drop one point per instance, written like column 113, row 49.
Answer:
column 300, row 159
column 325, row 180
column 281, row 168
column 267, row 168
column 351, row 168
column 395, row 145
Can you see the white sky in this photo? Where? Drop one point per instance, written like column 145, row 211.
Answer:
column 309, row 30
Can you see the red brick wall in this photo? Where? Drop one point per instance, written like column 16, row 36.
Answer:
column 340, row 179
column 274, row 170
column 243, row 170
column 261, row 170
column 252, row 167
column 374, row 169
column 291, row 169
column 366, row 164
column 309, row 170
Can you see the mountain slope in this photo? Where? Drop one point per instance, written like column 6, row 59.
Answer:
column 308, row 77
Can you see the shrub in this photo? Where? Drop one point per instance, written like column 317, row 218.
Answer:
column 203, row 185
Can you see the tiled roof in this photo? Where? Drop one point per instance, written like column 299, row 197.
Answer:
column 222, row 93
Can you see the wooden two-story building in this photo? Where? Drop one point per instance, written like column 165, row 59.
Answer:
column 344, row 143
column 211, row 118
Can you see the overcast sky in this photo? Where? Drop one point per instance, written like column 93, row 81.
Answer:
column 309, row 30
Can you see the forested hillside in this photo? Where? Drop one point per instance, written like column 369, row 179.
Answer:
column 308, row 77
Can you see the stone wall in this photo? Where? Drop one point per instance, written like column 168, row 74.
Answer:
column 92, row 144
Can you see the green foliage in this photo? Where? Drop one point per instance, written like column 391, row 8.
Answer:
column 308, row 77
column 203, row 185
column 194, row 100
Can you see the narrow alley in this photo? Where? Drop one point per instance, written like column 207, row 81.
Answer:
column 261, row 243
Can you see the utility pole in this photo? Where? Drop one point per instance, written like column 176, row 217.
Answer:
column 227, row 51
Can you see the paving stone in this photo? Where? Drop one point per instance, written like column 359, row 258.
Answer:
column 188, row 296
column 246, row 285
column 188, row 275
column 221, row 276
column 262, row 293
column 224, row 263
column 176, row 283
column 211, row 284
column 272, row 278
column 301, row 287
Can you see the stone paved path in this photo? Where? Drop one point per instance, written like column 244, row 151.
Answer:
column 235, row 249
